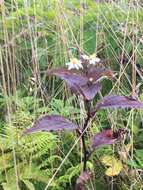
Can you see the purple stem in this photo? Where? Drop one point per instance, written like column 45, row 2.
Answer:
column 88, row 104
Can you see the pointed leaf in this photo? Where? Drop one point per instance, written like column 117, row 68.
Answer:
column 79, row 82
column 119, row 102
column 51, row 123
column 99, row 73
column 89, row 91
column 82, row 180
column 106, row 137
column 70, row 76
column 29, row 184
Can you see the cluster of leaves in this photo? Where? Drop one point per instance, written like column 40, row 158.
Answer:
column 36, row 156
column 111, row 26
column 86, row 82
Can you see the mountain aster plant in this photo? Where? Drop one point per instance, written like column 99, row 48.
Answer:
column 84, row 78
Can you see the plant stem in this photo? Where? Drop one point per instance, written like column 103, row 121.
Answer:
column 83, row 136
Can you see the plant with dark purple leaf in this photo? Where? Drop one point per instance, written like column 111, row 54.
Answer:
column 84, row 78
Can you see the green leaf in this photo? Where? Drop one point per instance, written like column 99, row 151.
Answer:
column 29, row 184
column 9, row 186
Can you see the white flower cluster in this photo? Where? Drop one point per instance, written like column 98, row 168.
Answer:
column 77, row 64
column 93, row 60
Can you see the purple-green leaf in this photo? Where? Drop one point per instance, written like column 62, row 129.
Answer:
column 70, row 76
column 119, row 102
column 51, row 123
column 98, row 73
column 80, row 83
column 106, row 137
column 89, row 91
column 82, row 180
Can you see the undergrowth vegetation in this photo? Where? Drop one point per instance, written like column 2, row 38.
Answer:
column 40, row 35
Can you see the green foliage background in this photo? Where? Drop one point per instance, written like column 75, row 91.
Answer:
column 37, row 35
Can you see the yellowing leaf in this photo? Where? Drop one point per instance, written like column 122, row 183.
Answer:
column 115, row 169
column 115, row 166
column 108, row 160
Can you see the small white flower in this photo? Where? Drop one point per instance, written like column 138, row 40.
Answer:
column 74, row 64
column 85, row 57
column 93, row 59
